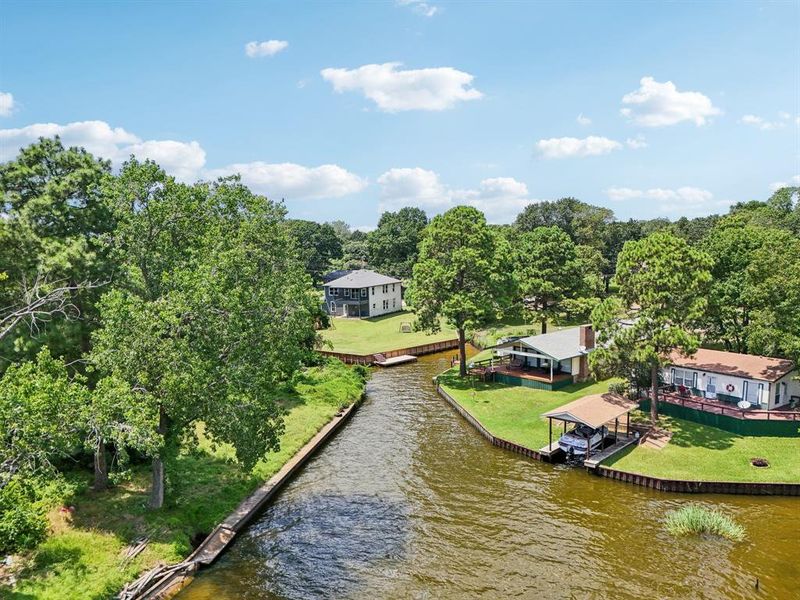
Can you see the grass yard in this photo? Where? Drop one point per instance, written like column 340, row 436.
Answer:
column 511, row 326
column 514, row 412
column 83, row 556
column 700, row 452
column 379, row 334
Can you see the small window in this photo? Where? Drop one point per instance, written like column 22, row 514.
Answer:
column 373, row 290
column 363, row 292
column 335, row 292
column 394, row 303
column 346, row 292
column 392, row 287
column 373, row 305
column 385, row 289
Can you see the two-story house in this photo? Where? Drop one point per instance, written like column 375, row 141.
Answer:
column 363, row 293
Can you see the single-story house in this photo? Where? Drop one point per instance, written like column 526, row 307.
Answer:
column 766, row 383
column 549, row 361
column 363, row 293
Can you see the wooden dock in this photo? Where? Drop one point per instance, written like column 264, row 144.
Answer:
column 550, row 450
column 382, row 361
column 596, row 459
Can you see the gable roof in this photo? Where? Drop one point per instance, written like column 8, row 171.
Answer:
column 748, row 366
column 560, row 345
column 361, row 278
column 595, row 410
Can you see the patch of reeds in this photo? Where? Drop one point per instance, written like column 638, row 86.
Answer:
column 698, row 520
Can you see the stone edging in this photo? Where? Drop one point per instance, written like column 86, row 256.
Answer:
column 663, row 485
column 224, row 533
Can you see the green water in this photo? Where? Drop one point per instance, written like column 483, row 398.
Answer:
column 408, row 501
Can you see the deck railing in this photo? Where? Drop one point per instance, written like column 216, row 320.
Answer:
column 721, row 409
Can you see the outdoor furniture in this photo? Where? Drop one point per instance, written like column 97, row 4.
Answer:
column 743, row 404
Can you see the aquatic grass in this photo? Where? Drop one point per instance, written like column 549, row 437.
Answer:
column 698, row 520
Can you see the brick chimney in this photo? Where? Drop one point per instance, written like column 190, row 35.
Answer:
column 586, row 337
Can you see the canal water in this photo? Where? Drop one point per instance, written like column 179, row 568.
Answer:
column 408, row 501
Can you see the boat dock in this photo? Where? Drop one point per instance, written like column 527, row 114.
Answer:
column 596, row 459
column 382, row 361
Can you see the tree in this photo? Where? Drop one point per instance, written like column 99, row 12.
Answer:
column 38, row 402
column 51, row 249
column 583, row 223
column 549, row 272
column 393, row 245
column 319, row 246
column 663, row 284
column 215, row 312
column 730, row 310
column 772, row 289
column 462, row 275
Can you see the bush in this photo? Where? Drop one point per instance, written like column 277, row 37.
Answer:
column 697, row 520
column 621, row 388
column 23, row 524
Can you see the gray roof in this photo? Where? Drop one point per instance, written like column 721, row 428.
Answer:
column 559, row 345
column 361, row 278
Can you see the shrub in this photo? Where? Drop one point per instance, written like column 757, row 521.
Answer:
column 621, row 388
column 22, row 522
column 697, row 520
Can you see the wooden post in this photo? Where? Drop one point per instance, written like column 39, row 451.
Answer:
column 616, row 426
column 628, row 424
column 550, row 427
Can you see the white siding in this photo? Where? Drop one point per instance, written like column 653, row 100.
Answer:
column 383, row 302
column 724, row 382
column 792, row 389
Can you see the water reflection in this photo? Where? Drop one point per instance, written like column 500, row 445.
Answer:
column 409, row 502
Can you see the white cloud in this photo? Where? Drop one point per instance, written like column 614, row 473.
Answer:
column 420, row 7
column 292, row 181
column 657, row 104
column 499, row 198
column 763, row 124
column 583, row 120
column 6, row 104
column 394, row 89
column 686, row 200
column 365, row 228
column 181, row 159
column 569, row 147
column 268, row 48
column 793, row 182
column 636, row 143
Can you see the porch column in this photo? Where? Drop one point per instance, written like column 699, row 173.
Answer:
column 551, row 370
column 550, row 427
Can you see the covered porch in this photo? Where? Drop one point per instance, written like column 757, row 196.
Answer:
column 505, row 369
column 719, row 406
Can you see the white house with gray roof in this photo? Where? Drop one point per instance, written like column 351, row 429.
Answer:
column 548, row 361
column 363, row 293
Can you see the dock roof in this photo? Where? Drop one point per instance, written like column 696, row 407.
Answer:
column 595, row 410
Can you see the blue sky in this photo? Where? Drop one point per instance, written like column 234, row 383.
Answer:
column 348, row 109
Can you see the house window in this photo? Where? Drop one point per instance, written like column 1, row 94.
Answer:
column 780, row 392
column 392, row 287
column 346, row 292
column 682, row 377
column 385, row 289
column 373, row 290
column 385, row 305
column 363, row 292
column 750, row 392
column 373, row 305
column 335, row 292
column 394, row 303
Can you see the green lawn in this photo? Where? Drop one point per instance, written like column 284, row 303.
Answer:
column 82, row 559
column 699, row 452
column 379, row 334
column 514, row 412
column 510, row 326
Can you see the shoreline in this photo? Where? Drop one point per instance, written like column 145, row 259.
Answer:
column 657, row 483
column 166, row 581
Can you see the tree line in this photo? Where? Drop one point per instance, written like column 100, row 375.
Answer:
column 135, row 307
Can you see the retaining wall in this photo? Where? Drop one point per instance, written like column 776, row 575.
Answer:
column 226, row 531
column 368, row 359
column 664, row 485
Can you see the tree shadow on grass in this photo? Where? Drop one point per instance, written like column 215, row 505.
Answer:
column 694, row 435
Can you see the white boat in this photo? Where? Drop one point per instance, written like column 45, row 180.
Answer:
column 575, row 441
